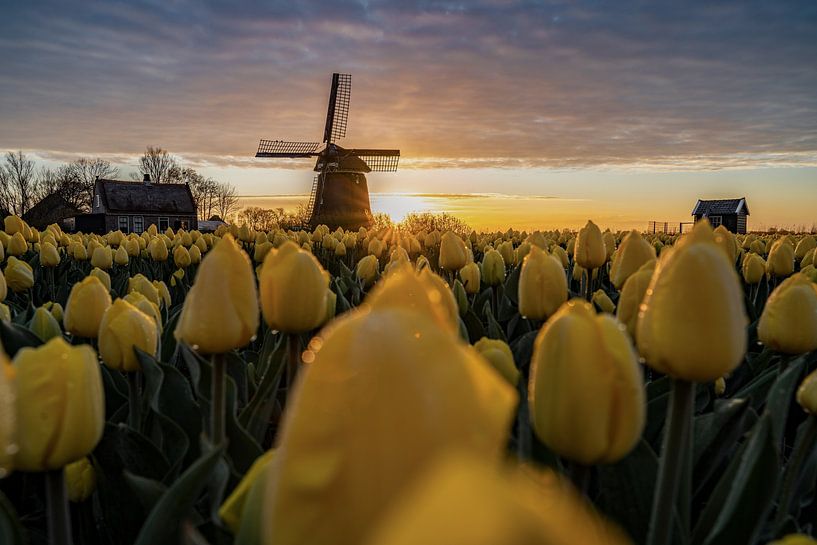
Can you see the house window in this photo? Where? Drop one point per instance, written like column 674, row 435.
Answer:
column 96, row 200
column 138, row 224
column 164, row 223
column 714, row 221
column 182, row 224
column 124, row 224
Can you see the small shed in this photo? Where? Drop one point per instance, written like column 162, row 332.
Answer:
column 134, row 206
column 731, row 213
column 52, row 209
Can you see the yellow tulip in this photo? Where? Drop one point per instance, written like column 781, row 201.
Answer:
column 5, row 312
column 3, row 286
column 121, row 256
column 49, row 256
column 195, row 254
column 631, row 255
column 164, row 293
column 220, row 312
column 331, row 494
column 157, row 249
column 102, row 258
column 726, row 241
column 60, row 405
column 123, row 328
column 104, row 277
column 603, row 301
column 505, row 249
column 589, row 250
column 794, row 539
column 542, row 285
column 781, row 259
column 375, row 247
column 293, row 287
column 720, row 386
column 583, row 366
column 181, row 257
column 493, row 267
column 499, row 355
column 8, row 415
column 753, row 269
column 19, row 275
column 147, row 306
column 144, row 286
column 232, row 509
column 87, row 303
column 44, row 325
column 367, row 270
column 461, row 499
column 340, row 249
column 692, row 323
column 470, row 276
column 132, row 247
column 808, row 259
column 261, row 251
column 453, row 255
column 14, row 224
column 609, row 243
column 806, row 244
column 632, row 293
column 789, row 320
column 80, row 480
column 17, row 245
column 56, row 310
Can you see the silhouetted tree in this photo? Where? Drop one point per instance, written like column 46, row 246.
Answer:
column 158, row 163
column 428, row 221
column 17, row 183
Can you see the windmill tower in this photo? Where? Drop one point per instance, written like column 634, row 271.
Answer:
column 340, row 194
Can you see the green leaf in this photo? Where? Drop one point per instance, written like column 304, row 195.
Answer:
column 16, row 336
column 11, row 531
column 162, row 525
column 522, row 349
column 147, row 490
column 474, row 326
column 741, row 501
column 781, row 398
column 512, row 285
column 494, row 329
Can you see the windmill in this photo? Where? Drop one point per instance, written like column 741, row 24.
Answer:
column 340, row 194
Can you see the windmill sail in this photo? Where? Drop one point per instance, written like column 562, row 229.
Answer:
column 379, row 160
column 338, row 112
column 282, row 148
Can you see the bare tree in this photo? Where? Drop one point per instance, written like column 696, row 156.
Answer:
column 428, row 221
column 86, row 171
column 17, row 191
column 66, row 182
column 158, row 163
column 226, row 199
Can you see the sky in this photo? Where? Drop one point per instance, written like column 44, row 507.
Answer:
column 513, row 113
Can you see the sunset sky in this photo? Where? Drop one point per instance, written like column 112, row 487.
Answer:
column 525, row 114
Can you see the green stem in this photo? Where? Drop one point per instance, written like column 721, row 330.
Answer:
column 59, row 521
column 792, row 473
column 133, row 400
column 217, row 426
column 674, row 451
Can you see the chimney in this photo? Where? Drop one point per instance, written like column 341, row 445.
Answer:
column 146, row 179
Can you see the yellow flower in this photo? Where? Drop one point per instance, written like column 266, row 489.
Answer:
column 60, row 405
column 157, row 249
column 781, row 259
column 470, row 277
column 261, row 251
column 87, row 302
column 789, row 320
column 123, row 328
column 293, row 290
column 375, row 247
column 542, row 285
column 794, row 539
column 692, row 323
column 453, row 255
column 340, row 249
column 14, row 224
column 220, row 312
column 5, row 312
column 806, row 244
column 590, row 251
column 631, row 255
column 80, row 480
column 164, row 293
column 56, row 311
column 104, row 277
column 367, row 270
column 726, row 241
column 17, row 245
column 632, row 293
column 144, row 286
column 8, row 415
column 439, row 390
column 603, row 301
column 120, row 257
column 49, row 256
column 132, row 247
column 720, row 386
column 499, row 355
column 232, row 509
column 181, row 257
column 585, row 376
column 147, row 306
column 493, row 268
column 753, row 269
column 19, row 275
column 506, row 251
column 461, row 499
column 102, row 258
column 3, row 286
column 44, row 325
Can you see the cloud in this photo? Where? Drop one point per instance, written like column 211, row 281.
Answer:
column 493, row 83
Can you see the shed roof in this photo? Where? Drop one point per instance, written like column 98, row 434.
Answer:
column 720, row 206
column 120, row 196
column 52, row 208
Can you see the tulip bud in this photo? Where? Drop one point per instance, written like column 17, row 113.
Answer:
column 157, row 249
column 8, row 415
column 493, row 268
column 720, row 386
column 542, row 285
column 60, row 405
column 123, row 328
column 367, row 270
column 102, row 258
column 807, row 393
column 632, row 293
column 144, row 286
column 195, row 254
column 5, row 312
column 181, row 257
column 121, row 256
column 470, row 278
column 220, row 312
column 56, row 311
column 49, row 256
column 340, row 249
column 794, row 539
column 590, row 251
column 80, row 480
column 293, row 286
column 781, row 259
column 806, row 244
column 583, row 365
column 148, row 307
column 452, row 252
column 789, row 320
column 261, row 251
column 232, row 510
column 692, row 323
column 86, row 305
column 3, row 286
column 753, row 269
column 499, row 355
column 631, row 255
column 44, row 325
column 19, row 275
column 14, row 224
column 17, row 245
column 603, row 301
column 104, row 277
column 808, row 259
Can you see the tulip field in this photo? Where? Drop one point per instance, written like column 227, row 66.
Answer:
column 390, row 387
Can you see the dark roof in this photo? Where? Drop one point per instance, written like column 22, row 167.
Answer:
column 52, row 209
column 121, row 196
column 720, row 206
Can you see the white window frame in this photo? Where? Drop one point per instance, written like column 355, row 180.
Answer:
column 167, row 223
column 96, row 201
column 127, row 223
column 714, row 221
column 141, row 224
